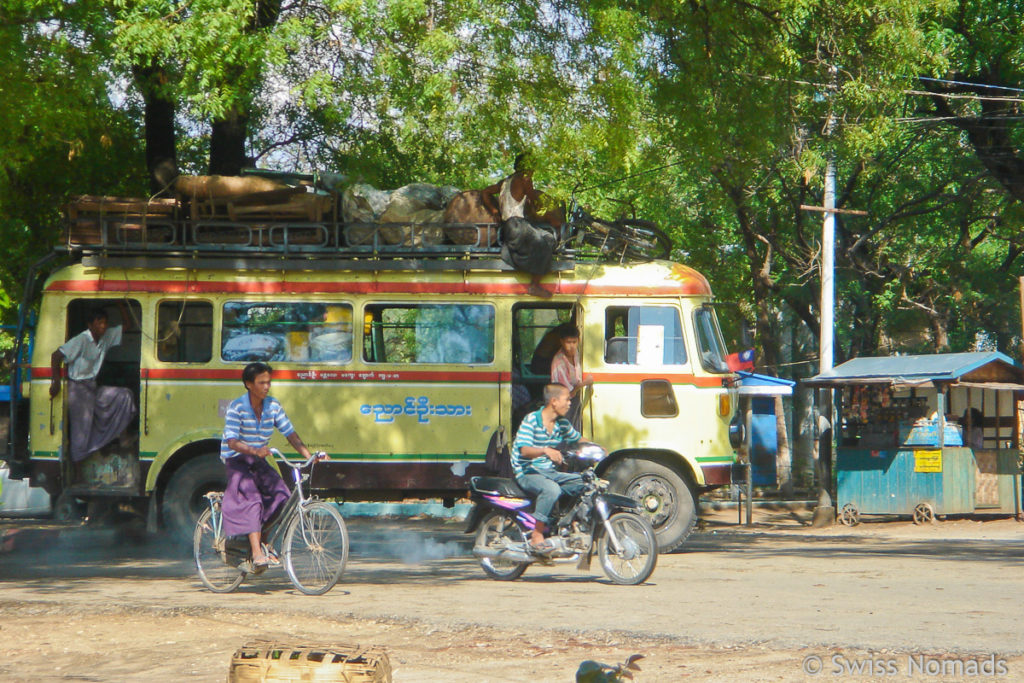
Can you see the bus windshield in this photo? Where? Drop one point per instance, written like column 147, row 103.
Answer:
column 709, row 340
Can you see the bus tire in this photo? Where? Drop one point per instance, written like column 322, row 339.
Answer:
column 66, row 508
column 664, row 496
column 183, row 499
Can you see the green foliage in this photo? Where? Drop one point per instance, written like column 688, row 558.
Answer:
column 61, row 132
column 714, row 119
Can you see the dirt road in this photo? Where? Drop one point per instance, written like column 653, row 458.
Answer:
column 770, row 603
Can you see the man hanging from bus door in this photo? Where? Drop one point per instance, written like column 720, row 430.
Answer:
column 535, row 458
column 255, row 492
column 567, row 370
column 96, row 414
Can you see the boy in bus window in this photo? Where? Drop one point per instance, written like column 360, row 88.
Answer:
column 567, row 370
column 97, row 414
column 255, row 492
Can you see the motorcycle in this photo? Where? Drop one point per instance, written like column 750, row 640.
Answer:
column 612, row 524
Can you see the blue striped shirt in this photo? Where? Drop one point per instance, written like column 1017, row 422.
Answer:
column 240, row 423
column 532, row 433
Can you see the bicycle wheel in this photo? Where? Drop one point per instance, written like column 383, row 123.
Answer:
column 642, row 239
column 315, row 548
column 217, row 558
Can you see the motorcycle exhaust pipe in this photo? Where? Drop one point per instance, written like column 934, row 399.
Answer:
column 510, row 555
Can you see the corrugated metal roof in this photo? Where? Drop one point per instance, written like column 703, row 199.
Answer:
column 937, row 367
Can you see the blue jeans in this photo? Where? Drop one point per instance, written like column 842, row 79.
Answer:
column 547, row 487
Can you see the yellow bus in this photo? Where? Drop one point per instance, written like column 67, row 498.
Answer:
column 404, row 373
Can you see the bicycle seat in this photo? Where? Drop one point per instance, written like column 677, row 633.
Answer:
column 497, row 486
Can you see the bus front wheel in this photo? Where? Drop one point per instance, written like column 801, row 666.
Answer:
column 664, row 496
column 183, row 499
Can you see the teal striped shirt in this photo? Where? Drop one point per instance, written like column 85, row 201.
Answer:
column 532, row 433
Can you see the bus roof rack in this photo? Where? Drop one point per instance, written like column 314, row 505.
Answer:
column 169, row 241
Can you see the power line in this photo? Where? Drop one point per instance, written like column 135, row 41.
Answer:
column 631, row 175
column 968, row 83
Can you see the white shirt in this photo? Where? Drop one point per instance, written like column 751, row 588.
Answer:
column 84, row 356
column 507, row 204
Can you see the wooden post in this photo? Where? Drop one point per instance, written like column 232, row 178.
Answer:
column 1021, row 287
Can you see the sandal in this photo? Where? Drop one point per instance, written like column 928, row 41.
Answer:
column 544, row 548
column 272, row 559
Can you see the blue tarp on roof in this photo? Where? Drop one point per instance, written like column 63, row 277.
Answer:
column 937, row 367
column 753, row 384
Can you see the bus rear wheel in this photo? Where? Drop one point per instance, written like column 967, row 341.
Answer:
column 664, row 496
column 184, row 500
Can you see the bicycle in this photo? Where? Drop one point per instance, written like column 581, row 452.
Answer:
column 626, row 239
column 315, row 540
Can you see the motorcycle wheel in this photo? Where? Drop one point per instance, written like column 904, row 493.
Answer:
column 638, row 553
column 497, row 531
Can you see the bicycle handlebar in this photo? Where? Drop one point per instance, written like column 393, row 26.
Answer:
column 314, row 457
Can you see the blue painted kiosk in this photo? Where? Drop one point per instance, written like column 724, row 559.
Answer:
column 927, row 435
column 761, row 390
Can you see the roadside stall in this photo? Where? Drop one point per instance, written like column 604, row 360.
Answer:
column 927, row 435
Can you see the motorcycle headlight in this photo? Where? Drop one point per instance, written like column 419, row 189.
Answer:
column 588, row 452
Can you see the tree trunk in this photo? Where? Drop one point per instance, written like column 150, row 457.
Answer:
column 783, row 457
column 160, row 133
column 228, row 134
column 227, row 144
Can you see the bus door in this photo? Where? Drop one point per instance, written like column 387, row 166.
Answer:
column 535, row 341
column 114, row 467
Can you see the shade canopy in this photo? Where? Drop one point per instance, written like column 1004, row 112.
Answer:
column 990, row 368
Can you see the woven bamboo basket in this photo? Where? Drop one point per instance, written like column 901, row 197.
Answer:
column 266, row 661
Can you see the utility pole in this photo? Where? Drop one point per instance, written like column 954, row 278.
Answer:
column 825, row 512
column 828, row 267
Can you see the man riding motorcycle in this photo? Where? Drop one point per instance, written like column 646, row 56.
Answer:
column 535, row 458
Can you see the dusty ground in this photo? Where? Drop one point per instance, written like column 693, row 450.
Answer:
column 766, row 603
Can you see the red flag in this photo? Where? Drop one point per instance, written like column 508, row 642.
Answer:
column 744, row 360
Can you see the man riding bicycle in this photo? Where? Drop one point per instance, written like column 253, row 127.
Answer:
column 255, row 491
column 535, row 456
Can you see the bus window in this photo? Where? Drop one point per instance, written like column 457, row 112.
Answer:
column 709, row 340
column 184, row 332
column 290, row 332
column 643, row 335
column 429, row 333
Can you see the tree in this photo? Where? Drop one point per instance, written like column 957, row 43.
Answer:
column 60, row 132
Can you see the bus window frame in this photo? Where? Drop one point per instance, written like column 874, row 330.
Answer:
column 214, row 330
column 372, row 338
column 716, row 330
column 220, row 339
column 621, row 312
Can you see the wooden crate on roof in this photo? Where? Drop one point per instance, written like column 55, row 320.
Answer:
column 110, row 220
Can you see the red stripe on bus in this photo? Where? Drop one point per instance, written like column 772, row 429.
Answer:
column 690, row 285
column 327, row 375
column 637, row 377
column 317, row 375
